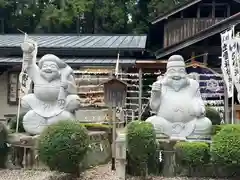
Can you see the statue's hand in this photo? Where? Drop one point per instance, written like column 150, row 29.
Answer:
column 64, row 84
column 27, row 47
column 157, row 86
column 199, row 110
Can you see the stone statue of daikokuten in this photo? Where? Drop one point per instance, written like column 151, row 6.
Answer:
column 55, row 96
column 177, row 104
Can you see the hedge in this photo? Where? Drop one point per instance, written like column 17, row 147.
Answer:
column 97, row 127
column 192, row 153
column 216, row 129
column 225, row 149
column 213, row 115
column 3, row 146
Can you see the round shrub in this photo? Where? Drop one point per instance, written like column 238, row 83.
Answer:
column 213, row 115
column 3, row 146
column 13, row 123
column 192, row 153
column 225, row 149
column 141, row 143
column 62, row 146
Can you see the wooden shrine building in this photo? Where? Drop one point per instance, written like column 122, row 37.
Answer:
column 193, row 31
column 93, row 57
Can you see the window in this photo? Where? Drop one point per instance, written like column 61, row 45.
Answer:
column 14, row 87
column 13, row 91
column 221, row 11
column 205, row 11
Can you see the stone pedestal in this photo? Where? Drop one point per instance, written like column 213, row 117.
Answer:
column 23, row 150
column 169, row 161
column 121, row 156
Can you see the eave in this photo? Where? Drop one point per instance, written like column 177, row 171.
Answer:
column 212, row 30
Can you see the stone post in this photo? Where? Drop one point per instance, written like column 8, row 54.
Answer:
column 121, row 151
column 169, row 161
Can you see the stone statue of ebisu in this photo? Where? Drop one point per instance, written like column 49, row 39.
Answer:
column 178, row 105
column 55, row 96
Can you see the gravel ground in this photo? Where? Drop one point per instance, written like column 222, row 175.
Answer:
column 24, row 175
column 102, row 172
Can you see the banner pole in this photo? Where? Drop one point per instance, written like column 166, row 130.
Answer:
column 19, row 98
column 232, row 122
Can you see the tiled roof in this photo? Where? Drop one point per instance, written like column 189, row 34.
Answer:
column 80, row 61
column 137, row 42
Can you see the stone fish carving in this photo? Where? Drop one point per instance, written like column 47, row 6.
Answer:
column 177, row 103
column 54, row 96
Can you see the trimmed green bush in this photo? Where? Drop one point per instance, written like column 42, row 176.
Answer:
column 3, row 146
column 216, row 129
column 192, row 154
column 97, row 127
column 213, row 115
column 62, row 146
column 142, row 146
column 13, row 123
column 225, row 149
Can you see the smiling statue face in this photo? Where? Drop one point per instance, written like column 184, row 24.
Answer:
column 176, row 77
column 50, row 71
column 176, row 73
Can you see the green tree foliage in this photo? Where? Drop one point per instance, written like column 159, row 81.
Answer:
column 113, row 16
column 83, row 16
column 159, row 7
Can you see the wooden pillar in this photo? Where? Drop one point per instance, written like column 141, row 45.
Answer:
column 140, row 94
column 198, row 11
column 213, row 8
column 205, row 58
column 226, row 107
column 228, row 10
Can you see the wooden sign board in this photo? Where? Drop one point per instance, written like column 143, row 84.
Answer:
column 115, row 93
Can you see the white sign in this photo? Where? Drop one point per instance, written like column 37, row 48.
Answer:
column 227, row 63
column 25, row 81
column 234, row 49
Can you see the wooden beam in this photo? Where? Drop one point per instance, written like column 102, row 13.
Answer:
column 151, row 66
column 140, row 94
column 176, row 10
column 203, row 49
column 213, row 50
column 151, row 61
column 210, row 4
